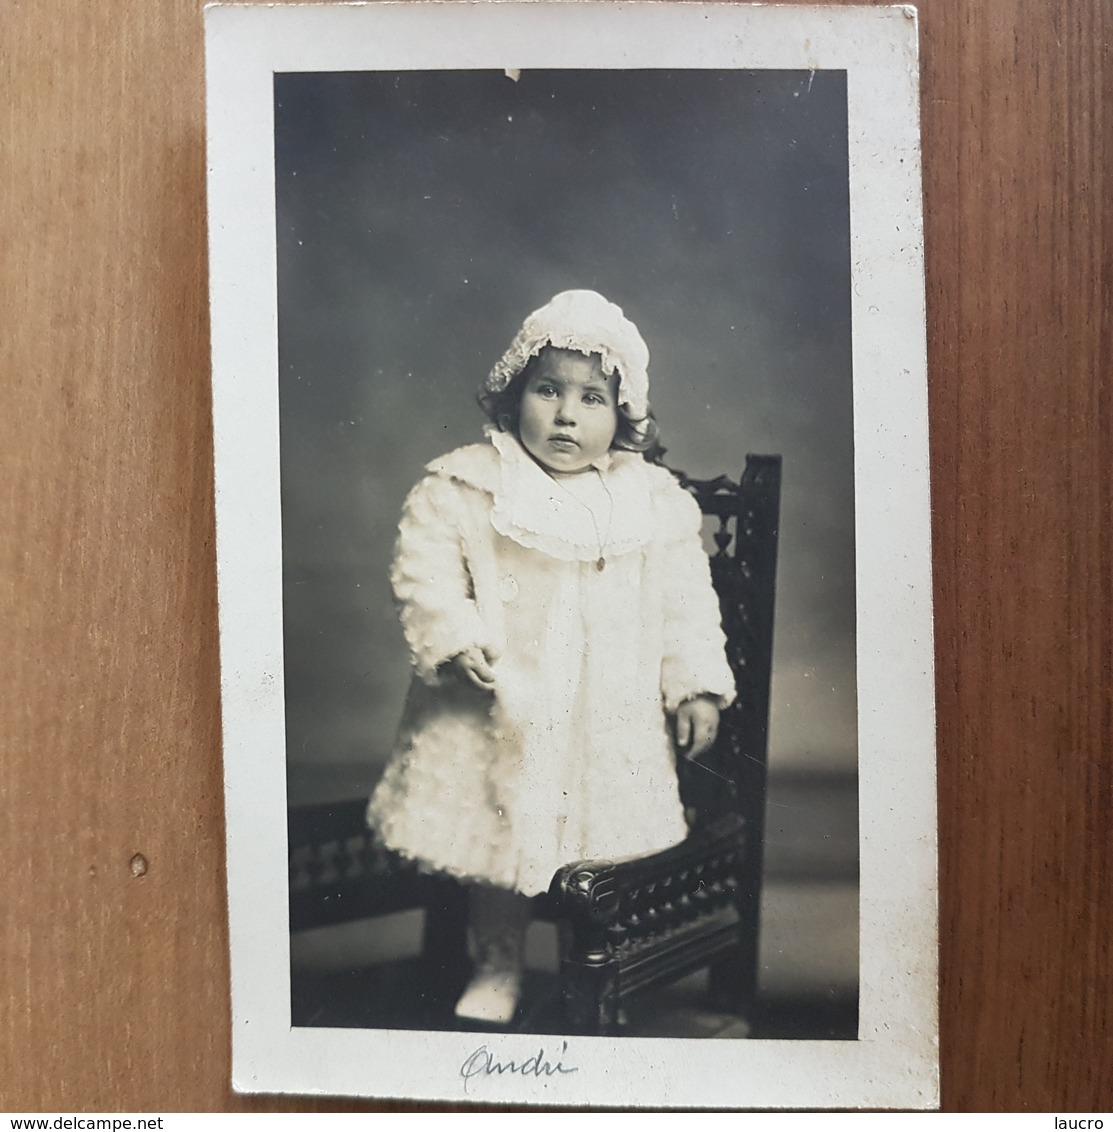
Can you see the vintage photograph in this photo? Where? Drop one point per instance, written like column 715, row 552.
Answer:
column 551, row 300
column 575, row 588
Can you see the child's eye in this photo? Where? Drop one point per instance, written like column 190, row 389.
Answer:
column 594, row 399
column 546, row 391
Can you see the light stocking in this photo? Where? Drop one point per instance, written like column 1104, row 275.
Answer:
column 498, row 919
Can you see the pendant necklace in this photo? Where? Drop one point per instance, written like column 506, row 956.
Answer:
column 601, row 561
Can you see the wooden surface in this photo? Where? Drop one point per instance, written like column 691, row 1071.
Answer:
column 114, row 986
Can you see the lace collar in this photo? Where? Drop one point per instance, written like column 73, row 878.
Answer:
column 531, row 508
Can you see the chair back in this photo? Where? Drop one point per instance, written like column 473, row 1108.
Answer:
column 745, row 518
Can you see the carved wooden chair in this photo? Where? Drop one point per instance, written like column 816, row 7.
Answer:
column 625, row 926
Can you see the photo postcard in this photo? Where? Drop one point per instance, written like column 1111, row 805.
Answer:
column 571, row 464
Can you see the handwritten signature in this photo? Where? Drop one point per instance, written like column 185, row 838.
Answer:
column 483, row 1063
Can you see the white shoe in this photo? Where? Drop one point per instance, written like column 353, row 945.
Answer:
column 491, row 996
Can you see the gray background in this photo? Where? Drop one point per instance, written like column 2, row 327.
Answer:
column 421, row 216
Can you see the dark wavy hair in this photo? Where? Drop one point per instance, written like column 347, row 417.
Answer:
column 502, row 411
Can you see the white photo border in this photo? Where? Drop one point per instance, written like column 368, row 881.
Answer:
column 894, row 1062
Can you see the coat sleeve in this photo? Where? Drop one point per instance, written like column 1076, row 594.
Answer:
column 430, row 577
column 693, row 660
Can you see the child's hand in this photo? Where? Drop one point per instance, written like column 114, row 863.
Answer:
column 697, row 723
column 474, row 665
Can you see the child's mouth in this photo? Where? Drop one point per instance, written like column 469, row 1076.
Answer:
column 561, row 441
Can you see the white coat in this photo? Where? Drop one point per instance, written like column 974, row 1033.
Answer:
column 571, row 756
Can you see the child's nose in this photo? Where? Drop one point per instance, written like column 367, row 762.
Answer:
column 566, row 410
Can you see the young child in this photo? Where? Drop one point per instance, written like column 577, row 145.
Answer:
column 565, row 637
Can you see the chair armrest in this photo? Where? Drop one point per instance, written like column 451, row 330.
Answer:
column 609, row 904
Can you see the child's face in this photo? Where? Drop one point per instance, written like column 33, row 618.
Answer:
column 569, row 411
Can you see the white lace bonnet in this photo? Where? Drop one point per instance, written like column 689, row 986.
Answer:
column 586, row 322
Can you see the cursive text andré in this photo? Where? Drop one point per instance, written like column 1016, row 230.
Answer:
column 483, row 1063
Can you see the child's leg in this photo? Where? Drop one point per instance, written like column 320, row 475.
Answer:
column 498, row 921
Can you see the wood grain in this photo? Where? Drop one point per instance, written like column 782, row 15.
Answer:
column 1016, row 101
column 114, row 986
